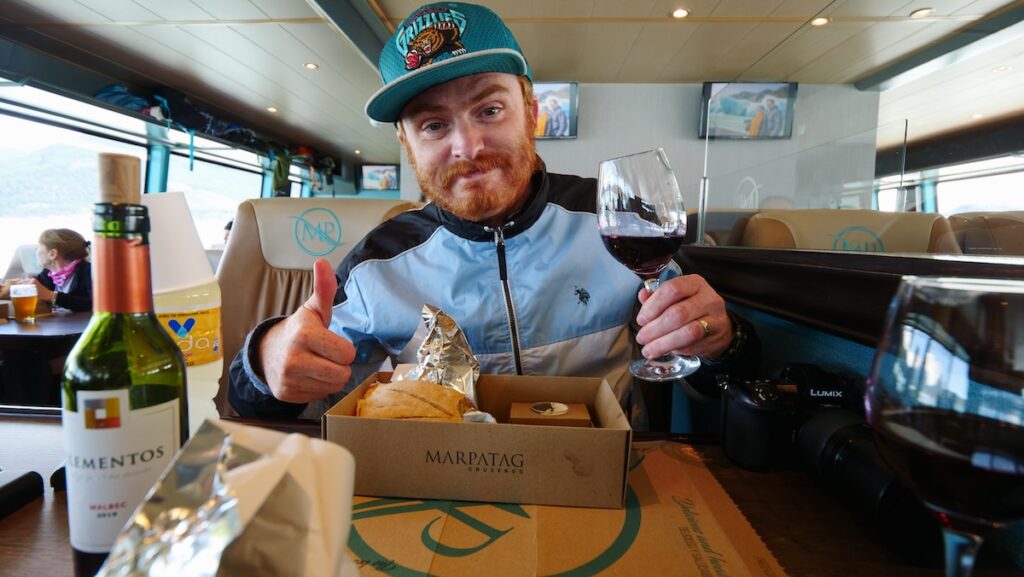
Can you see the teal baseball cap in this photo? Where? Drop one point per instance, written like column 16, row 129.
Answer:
column 441, row 42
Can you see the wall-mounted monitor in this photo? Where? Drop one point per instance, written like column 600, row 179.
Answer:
column 556, row 109
column 378, row 177
column 747, row 110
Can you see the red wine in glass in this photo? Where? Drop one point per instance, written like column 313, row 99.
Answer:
column 966, row 468
column 647, row 256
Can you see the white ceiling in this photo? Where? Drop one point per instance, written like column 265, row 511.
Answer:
column 245, row 55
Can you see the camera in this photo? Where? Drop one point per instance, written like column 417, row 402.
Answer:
column 812, row 418
column 760, row 417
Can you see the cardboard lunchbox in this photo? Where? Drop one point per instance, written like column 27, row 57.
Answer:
column 505, row 463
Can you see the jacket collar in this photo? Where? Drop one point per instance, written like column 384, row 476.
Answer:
column 514, row 225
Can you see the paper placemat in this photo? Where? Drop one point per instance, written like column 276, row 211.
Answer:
column 677, row 521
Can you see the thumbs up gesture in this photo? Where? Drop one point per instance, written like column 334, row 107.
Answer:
column 301, row 359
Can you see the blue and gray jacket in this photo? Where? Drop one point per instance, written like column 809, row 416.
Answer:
column 539, row 295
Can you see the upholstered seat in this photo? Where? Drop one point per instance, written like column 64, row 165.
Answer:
column 851, row 230
column 23, row 262
column 995, row 233
column 267, row 266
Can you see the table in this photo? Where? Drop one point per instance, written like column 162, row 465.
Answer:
column 38, row 350
column 807, row 530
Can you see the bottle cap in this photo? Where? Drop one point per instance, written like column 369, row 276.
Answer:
column 177, row 257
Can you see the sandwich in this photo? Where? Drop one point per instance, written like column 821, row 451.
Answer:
column 418, row 400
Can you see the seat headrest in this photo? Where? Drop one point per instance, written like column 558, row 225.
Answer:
column 294, row 232
column 851, row 230
column 995, row 233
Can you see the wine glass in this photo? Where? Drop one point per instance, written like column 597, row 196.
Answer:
column 641, row 219
column 945, row 401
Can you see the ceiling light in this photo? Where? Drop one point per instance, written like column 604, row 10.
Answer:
column 1003, row 68
column 680, row 13
column 922, row 13
column 977, row 116
column 271, row 109
column 311, row 65
column 357, row 151
column 820, row 21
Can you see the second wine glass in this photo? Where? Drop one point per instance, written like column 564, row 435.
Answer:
column 946, row 401
column 642, row 222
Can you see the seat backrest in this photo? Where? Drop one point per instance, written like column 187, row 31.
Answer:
column 23, row 262
column 995, row 233
column 851, row 230
column 267, row 266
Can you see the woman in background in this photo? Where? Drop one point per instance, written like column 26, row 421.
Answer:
column 66, row 279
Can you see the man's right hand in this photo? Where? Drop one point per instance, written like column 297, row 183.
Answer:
column 301, row 359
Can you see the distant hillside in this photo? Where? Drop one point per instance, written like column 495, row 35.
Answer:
column 54, row 180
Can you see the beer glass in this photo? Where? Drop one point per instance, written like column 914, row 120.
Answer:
column 24, row 297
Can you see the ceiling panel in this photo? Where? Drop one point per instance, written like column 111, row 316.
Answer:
column 231, row 9
column 177, row 10
column 801, row 8
column 847, row 59
column 801, row 49
column 617, row 8
column 654, row 51
column 120, row 10
column 698, row 59
column 757, row 44
column 745, row 8
column 286, row 8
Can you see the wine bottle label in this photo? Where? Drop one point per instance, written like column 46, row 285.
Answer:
column 113, row 456
column 197, row 334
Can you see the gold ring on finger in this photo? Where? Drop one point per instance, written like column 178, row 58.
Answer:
column 706, row 326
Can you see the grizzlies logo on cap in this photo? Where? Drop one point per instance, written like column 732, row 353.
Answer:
column 431, row 33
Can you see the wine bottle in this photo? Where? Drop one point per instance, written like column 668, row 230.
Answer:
column 124, row 402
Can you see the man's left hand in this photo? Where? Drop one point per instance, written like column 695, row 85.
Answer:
column 684, row 315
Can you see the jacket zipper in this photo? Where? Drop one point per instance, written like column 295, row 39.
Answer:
column 499, row 242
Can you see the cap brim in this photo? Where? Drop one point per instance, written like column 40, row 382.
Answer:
column 387, row 103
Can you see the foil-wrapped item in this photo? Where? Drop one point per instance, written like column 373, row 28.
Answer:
column 444, row 357
column 188, row 518
column 219, row 509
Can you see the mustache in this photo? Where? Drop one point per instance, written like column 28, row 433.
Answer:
column 484, row 162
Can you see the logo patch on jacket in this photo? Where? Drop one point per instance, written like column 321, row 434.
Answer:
column 431, row 33
column 582, row 295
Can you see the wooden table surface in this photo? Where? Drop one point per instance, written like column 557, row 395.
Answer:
column 809, row 532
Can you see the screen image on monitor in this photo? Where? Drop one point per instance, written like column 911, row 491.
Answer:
column 379, row 177
column 747, row 110
column 556, row 109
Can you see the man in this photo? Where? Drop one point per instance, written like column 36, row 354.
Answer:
column 507, row 249
column 558, row 120
column 772, row 124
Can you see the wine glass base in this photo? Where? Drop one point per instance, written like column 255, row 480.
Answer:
column 669, row 367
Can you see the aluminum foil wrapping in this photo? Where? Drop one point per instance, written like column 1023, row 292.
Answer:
column 444, row 357
column 190, row 516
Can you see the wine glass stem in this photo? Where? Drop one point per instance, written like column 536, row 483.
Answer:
column 961, row 548
column 651, row 283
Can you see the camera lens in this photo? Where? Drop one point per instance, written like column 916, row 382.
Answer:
column 838, row 449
